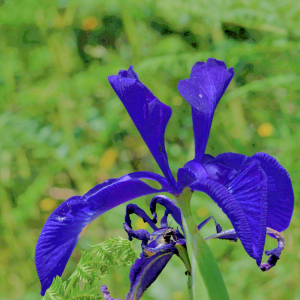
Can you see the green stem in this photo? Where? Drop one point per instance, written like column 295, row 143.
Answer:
column 182, row 253
column 70, row 285
column 206, row 275
column 190, row 287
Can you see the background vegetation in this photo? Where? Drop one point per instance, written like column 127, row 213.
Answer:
column 63, row 130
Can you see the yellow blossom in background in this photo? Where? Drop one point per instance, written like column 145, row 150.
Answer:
column 202, row 212
column 139, row 224
column 265, row 130
column 48, row 204
column 177, row 295
column 108, row 159
column 89, row 23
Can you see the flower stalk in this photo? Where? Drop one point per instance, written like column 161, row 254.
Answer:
column 207, row 281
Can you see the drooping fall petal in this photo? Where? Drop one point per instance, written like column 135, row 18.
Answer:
column 66, row 224
column 280, row 196
column 243, row 200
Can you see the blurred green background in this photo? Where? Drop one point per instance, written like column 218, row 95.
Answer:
column 63, row 130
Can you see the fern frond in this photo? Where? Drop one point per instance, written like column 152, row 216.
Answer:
column 92, row 266
column 56, row 290
column 115, row 252
column 84, row 270
column 86, row 293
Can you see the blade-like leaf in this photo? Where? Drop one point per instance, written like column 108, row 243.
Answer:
column 205, row 271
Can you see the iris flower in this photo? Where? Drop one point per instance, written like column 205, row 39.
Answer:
column 159, row 246
column 254, row 192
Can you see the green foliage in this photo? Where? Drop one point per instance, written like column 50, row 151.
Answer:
column 63, row 130
column 56, row 291
column 92, row 266
column 113, row 253
column 207, row 281
column 86, row 293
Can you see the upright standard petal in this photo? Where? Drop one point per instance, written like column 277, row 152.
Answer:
column 149, row 115
column 203, row 90
column 280, row 196
column 67, row 223
column 243, row 200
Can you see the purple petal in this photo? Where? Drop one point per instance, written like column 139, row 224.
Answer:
column 174, row 210
column 147, row 175
column 280, row 196
column 149, row 115
column 140, row 234
column 66, row 224
column 243, row 200
column 206, row 158
column 196, row 168
column 225, row 235
column 146, row 269
column 185, row 178
column 164, row 219
column 232, row 160
column 274, row 253
column 134, row 209
column 218, row 226
column 203, row 90
column 211, row 170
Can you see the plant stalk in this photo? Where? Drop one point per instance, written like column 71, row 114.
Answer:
column 208, row 283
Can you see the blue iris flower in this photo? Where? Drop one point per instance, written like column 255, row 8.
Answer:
column 254, row 192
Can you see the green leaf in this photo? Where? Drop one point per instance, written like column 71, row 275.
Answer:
column 207, row 280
